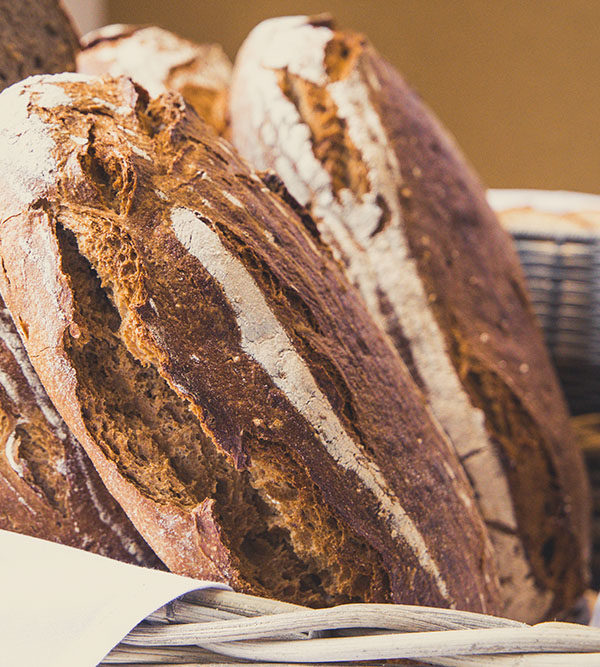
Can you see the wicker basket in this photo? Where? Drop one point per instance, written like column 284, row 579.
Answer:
column 561, row 261
column 219, row 627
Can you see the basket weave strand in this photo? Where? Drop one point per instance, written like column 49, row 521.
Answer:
column 221, row 627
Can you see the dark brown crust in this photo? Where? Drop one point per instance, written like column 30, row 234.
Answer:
column 178, row 318
column 309, row 100
column 509, row 375
column 54, row 493
column 36, row 37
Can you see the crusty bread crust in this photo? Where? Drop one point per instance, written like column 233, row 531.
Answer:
column 48, row 486
column 143, row 241
column 162, row 61
column 392, row 194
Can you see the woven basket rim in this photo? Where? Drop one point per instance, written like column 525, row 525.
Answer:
column 215, row 626
column 547, row 201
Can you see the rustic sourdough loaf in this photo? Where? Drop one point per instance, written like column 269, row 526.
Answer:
column 48, row 487
column 161, row 61
column 36, row 37
column 212, row 359
column 394, row 198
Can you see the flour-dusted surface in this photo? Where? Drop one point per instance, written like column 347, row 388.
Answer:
column 161, row 61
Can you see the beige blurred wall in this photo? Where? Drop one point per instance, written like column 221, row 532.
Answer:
column 87, row 14
column 517, row 82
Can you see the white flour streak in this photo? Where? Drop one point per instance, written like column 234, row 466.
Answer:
column 265, row 341
column 140, row 152
column 10, row 387
column 80, row 141
column 26, row 151
column 13, row 341
column 231, row 198
column 103, row 515
column 19, row 498
column 11, row 450
column 50, row 96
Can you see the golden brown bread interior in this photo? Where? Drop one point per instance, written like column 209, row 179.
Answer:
column 210, row 355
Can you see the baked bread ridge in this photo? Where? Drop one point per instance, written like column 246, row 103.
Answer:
column 48, row 486
column 177, row 284
column 393, row 196
column 161, row 61
column 36, row 37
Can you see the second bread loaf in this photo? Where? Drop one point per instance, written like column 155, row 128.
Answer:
column 407, row 216
column 161, row 61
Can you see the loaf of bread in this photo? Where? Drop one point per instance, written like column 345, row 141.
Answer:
column 392, row 195
column 36, row 37
column 161, row 61
column 211, row 357
column 528, row 221
column 48, row 487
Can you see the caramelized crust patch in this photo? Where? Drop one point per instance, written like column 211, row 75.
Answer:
column 341, row 54
column 332, row 145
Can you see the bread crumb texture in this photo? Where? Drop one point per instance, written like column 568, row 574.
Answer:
column 48, row 487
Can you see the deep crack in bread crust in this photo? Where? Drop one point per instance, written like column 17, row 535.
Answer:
column 48, row 486
column 180, row 293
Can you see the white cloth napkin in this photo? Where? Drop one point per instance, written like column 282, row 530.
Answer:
column 62, row 606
